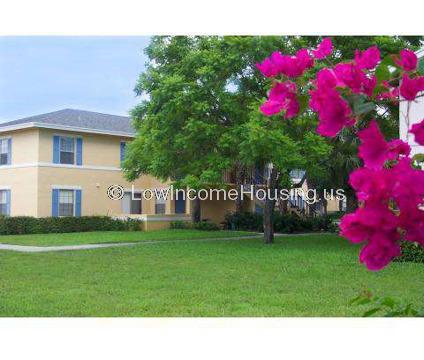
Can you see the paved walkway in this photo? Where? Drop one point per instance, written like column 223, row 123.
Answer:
column 36, row 249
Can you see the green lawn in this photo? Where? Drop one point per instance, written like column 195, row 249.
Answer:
column 99, row 237
column 314, row 275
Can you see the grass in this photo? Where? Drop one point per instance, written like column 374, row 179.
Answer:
column 99, row 237
column 314, row 275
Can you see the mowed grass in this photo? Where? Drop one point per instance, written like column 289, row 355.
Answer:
column 99, row 237
column 313, row 275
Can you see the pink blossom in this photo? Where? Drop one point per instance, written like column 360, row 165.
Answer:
column 368, row 85
column 282, row 97
column 392, row 94
column 379, row 252
column 408, row 60
column 418, row 131
column 326, row 79
column 374, row 148
column 375, row 151
column 333, row 111
column 291, row 66
column 270, row 66
column 409, row 88
column 371, row 185
column 325, row 48
column 398, row 147
column 351, row 76
column 367, row 59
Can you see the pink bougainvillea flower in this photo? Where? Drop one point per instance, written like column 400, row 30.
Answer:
column 392, row 94
column 374, row 148
column 326, row 79
column 282, row 97
column 408, row 60
column 371, row 185
column 418, row 131
column 333, row 111
column 397, row 148
column 375, row 151
column 270, row 66
column 408, row 188
column 349, row 75
column 295, row 66
column 409, row 88
column 291, row 66
column 325, row 48
column 368, row 85
column 362, row 224
column 367, row 59
column 379, row 252
column 412, row 221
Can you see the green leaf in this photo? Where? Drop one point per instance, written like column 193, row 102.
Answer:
column 361, row 106
column 371, row 312
column 421, row 66
column 303, row 102
column 382, row 72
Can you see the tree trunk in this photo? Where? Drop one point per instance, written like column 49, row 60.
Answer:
column 351, row 203
column 195, row 212
column 239, row 181
column 269, row 207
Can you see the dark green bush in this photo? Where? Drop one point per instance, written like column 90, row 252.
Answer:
column 287, row 223
column 203, row 225
column 411, row 252
column 29, row 225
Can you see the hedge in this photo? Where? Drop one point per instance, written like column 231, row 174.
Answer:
column 29, row 225
column 203, row 225
column 287, row 223
column 411, row 252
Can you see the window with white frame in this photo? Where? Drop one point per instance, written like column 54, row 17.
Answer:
column 160, row 204
column 67, row 150
column 4, row 151
column 3, row 202
column 66, row 203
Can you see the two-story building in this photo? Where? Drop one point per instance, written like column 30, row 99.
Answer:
column 62, row 163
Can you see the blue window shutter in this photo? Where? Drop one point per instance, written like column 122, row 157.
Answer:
column 123, row 144
column 77, row 202
column 9, row 151
column 55, row 202
column 56, row 149
column 8, row 202
column 79, row 151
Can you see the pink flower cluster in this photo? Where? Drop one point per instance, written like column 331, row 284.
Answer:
column 389, row 188
column 391, row 198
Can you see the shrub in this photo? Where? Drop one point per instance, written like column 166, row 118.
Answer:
column 203, row 225
column 29, row 225
column 411, row 252
column 287, row 223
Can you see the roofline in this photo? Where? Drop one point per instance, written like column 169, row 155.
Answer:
column 65, row 128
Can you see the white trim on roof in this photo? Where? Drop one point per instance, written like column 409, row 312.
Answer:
column 64, row 128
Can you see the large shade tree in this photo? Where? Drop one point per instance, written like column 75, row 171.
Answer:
column 200, row 118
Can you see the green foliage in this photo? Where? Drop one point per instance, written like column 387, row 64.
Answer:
column 411, row 252
column 202, row 225
column 385, row 306
column 29, row 225
column 287, row 223
column 421, row 66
